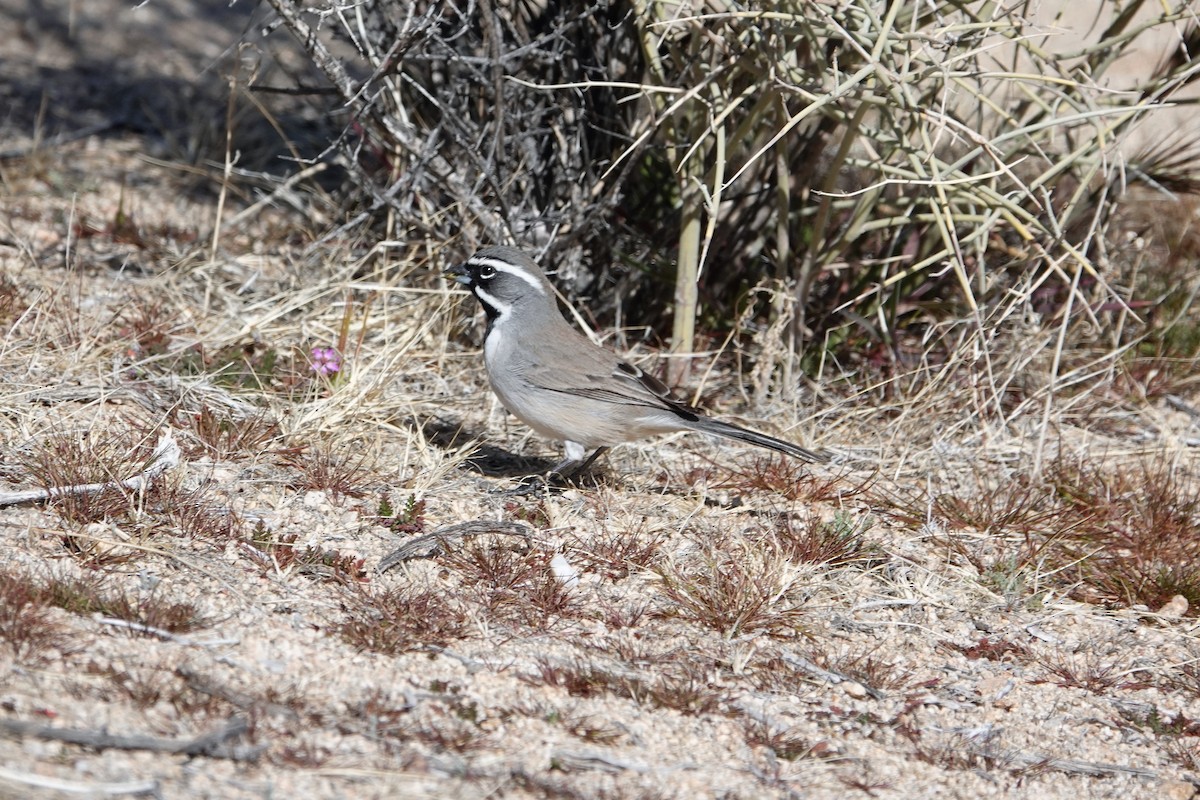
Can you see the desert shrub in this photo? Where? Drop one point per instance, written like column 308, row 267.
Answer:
column 904, row 182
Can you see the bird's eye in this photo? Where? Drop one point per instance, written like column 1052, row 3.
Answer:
column 487, row 272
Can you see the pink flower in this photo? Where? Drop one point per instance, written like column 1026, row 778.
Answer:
column 325, row 361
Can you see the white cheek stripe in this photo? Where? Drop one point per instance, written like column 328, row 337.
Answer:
column 511, row 269
column 502, row 309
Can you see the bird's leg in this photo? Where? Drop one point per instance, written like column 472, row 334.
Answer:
column 573, row 461
column 599, row 451
column 571, row 465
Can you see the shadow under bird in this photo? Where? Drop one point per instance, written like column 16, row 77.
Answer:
column 556, row 381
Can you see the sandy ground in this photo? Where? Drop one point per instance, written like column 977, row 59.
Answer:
column 699, row 622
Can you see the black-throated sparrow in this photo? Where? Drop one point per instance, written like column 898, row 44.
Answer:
column 556, row 381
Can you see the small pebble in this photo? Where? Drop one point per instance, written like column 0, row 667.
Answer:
column 1176, row 790
column 854, row 689
column 1174, row 608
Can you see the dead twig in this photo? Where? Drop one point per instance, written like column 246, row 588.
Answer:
column 165, row 635
column 1073, row 766
column 827, row 675
column 11, row 776
column 433, row 544
column 589, row 760
column 203, row 684
column 167, row 455
column 212, row 745
column 1179, row 404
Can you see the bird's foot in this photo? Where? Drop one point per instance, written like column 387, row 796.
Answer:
column 536, row 484
column 561, row 476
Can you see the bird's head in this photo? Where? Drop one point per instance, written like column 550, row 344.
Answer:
column 502, row 279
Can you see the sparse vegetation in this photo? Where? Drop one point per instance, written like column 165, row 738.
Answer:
column 91, row 595
column 226, row 436
column 736, row 587
column 1121, row 535
column 514, row 586
column 682, row 687
column 931, row 244
column 35, row 636
column 402, row 619
column 785, row 744
column 409, row 518
column 82, row 457
column 342, row 473
column 615, row 553
column 834, row 543
column 280, row 553
column 793, row 480
column 28, row 629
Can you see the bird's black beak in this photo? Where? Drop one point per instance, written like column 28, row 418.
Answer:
column 460, row 273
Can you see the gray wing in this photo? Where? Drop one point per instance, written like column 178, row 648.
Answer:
column 599, row 375
column 629, row 385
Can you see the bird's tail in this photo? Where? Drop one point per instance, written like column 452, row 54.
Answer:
column 724, row 429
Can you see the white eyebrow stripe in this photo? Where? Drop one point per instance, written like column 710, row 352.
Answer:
column 511, row 269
